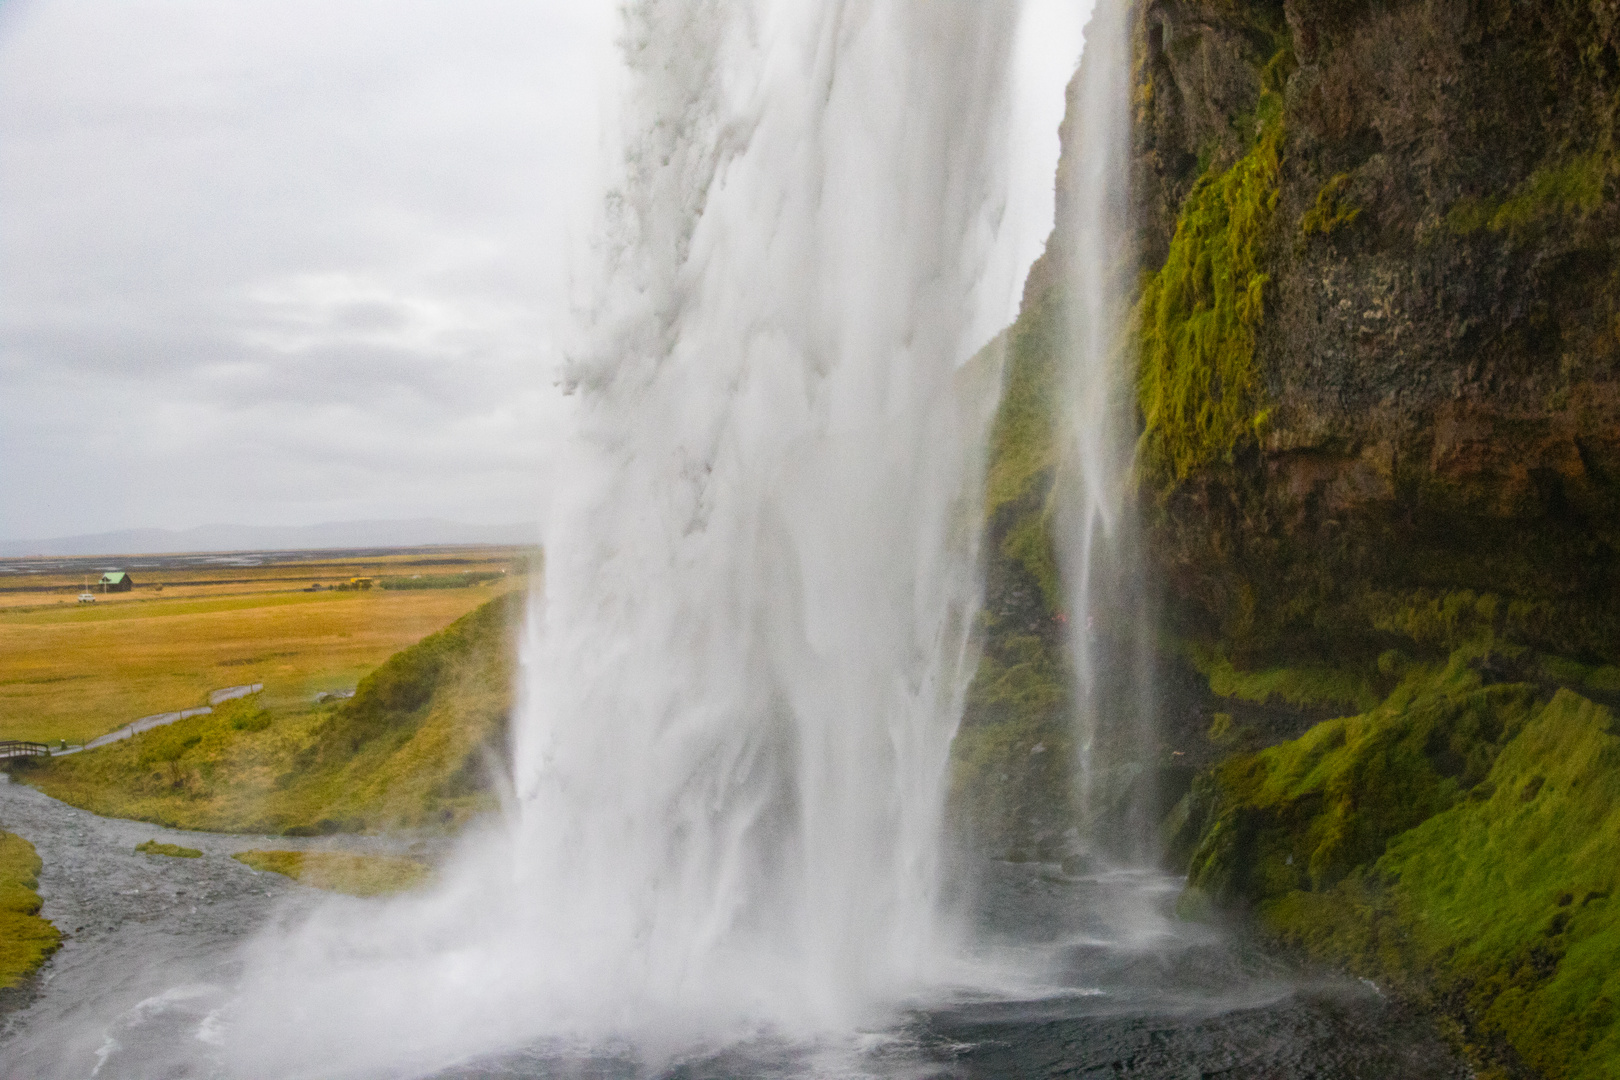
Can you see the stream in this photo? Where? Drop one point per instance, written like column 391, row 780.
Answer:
column 152, row 942
column 149, row 940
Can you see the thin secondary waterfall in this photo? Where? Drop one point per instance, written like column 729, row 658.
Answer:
column 744, row 678
column 1101, row 558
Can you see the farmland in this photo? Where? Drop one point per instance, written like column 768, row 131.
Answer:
column 416, row 747
column 74, row 671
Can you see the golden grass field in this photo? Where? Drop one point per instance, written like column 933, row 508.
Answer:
column 411, row 750
column 71, row 671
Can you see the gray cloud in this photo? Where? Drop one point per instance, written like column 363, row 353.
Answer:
column 285, row 263
column 306, row 261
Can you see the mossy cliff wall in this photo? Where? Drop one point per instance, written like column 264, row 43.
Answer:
column 1011, row 784
column 1380, row 469
column 1382, row 332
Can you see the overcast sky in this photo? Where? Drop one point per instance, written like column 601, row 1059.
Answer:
column 303, row 261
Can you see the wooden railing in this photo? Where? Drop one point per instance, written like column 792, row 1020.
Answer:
column 10, row 748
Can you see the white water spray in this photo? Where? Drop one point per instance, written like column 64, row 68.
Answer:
column 1111, row 625
column 745, row 676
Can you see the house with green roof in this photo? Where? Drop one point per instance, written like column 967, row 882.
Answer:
column 116, row 581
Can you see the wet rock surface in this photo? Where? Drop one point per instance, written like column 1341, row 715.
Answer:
column 1440, row 343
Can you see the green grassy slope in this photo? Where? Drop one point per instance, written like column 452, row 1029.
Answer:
column 25, row 938
column 409, row 750
column 1459, row 841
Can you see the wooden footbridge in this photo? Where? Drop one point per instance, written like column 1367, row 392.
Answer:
column 12, row 748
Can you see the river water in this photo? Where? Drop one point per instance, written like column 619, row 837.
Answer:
column 1111, row 987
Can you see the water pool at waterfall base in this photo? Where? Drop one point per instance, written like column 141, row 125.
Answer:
column 1096, row 979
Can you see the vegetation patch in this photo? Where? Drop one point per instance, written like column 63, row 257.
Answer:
column 357, row 875
column 26, row 940
column 441, row 581
column 1197, row 387
column 1029, row 543
column 411, row 749
column 174, row 851
column 1571, row 188
column 1023, row 439
column 78, row 672
column 1010, row 762
column 1331, row 211
column 1305, row 684
column 1460, row 841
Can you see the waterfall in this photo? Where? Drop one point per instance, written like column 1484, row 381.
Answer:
column 745, row 674
column 1111, row 625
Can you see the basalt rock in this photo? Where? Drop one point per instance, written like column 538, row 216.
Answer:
column 1380, row 465
column 1437, row 361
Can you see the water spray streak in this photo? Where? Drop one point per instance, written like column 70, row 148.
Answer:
column 1101, row 556
column 744, row 678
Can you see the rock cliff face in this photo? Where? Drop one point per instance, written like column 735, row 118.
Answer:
column 1432, row 396
column 1378, row 395
column 1380, row 462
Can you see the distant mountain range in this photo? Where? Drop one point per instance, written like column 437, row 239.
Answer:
column 418, row 532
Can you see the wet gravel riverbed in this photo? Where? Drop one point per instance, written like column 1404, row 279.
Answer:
column 136, row 927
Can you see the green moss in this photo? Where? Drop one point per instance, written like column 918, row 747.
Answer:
column 1503, row 903
column 1603, row 680
column 1010, row 763
column 1460, row 841
column 1010, row 785
column 26, row 940
column 1298, row 684
column 1445, row 619
column 357, row 875
column 1023, row 439
column 1198, row 389
column 1562, row 670
column 1305, row 813
column 1029, row 542
column 1024, row 680
column 1572, row 188
column 1330, row 213
column 174, row 851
